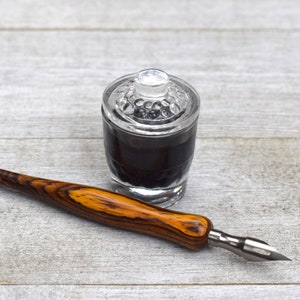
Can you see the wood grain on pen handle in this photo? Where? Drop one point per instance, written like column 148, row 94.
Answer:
column 115, row 210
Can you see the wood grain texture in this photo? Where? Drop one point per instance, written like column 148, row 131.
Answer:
column 228, row 183
column 248, row 83
column 57, row 57
column 154, row 14
column 113, row 209
column 276, row 292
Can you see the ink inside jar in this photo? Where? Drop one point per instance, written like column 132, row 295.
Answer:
column 149, row 124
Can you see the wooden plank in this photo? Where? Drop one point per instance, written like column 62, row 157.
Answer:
column 155, row 14
column 248, row 83
column 246, row 186
column 276, row 292
column 243, row 58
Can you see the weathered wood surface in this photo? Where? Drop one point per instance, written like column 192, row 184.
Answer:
column 248, row 83
column 192, row 292
column 243, row 182
column 243, row 58
column 150, row 14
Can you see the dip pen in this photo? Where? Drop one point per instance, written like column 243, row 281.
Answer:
column 108, row 208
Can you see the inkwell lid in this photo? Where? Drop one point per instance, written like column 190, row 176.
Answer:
column 150, row 102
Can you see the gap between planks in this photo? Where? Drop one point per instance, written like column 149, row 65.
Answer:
column 164, row 29
column 4, row 283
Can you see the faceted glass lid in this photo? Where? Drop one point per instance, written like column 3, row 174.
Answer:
column 148, row 99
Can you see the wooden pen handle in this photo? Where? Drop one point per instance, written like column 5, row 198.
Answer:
column 115, row 210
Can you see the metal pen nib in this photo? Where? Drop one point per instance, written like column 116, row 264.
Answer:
column 249, row 248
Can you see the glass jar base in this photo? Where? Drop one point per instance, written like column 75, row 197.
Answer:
column 164, row 197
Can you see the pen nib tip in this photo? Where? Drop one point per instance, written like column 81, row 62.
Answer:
column 249, row 248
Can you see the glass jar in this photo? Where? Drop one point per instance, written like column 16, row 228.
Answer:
column 150, row 122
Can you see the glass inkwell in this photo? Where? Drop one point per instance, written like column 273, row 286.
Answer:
column 150, row 122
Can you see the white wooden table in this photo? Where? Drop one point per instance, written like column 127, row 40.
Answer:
column 56, row 58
